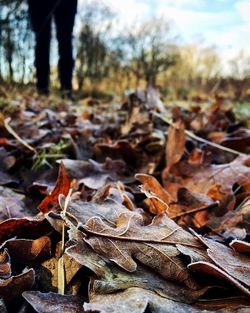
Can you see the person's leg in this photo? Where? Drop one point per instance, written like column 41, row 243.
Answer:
column 40, row 17
column 64, row 19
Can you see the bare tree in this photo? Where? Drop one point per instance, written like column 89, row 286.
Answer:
column 92, row 51
column 15, row 40
column 150, row 50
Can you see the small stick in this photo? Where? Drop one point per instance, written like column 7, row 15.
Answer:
column 215, row 145
column 191, row 135
column 13, row 133
column 211, row 206
column 61, row 265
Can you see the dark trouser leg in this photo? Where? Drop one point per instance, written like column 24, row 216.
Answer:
column 64, row 19
column 42, row 59
column 41, row 23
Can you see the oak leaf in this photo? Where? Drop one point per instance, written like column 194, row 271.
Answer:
column 112, row 278
column 152, row 245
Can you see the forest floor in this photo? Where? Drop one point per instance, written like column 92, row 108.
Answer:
column 132, row 206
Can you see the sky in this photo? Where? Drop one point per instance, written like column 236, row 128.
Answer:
column 221, row 23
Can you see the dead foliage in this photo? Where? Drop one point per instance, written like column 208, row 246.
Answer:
column 132, row 208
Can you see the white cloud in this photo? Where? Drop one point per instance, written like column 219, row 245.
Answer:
column 228, row 27
column 243, row 8
column 197, row 4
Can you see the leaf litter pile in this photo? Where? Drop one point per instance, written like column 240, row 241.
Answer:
column 131, row 208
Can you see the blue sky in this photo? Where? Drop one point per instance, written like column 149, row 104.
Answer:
column 223, row 23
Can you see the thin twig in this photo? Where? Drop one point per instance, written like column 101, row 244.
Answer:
column 208, row 207
column 14, row 134
column 215, row 145
column 61, row 266
column 191, row 135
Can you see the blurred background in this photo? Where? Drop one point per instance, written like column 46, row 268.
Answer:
column 189, row 49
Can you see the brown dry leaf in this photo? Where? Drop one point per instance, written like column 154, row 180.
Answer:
column 85, row 256
column 234, row 223
column 138, row 300
column 191, row 208
column 5, row 177
column 63, row 185
column 109, row 210
column 5, row 266
column 117, row 279
column 111, row 278
column 48, row 273
column 11, row 204
column 235, row 264
column 121, row 149
column 53, row 302
column 95, row 175
column 201, row 178
column 15, row 285
column 152, row 245
column 136, row 118
column 210, row 269
column 160, row 198
column 23, row 227
column 175, row 144
column 118, row 193
column 25, row 251
column 120, row 235
column 240, row 246
column 194, row 254
column 238, row 140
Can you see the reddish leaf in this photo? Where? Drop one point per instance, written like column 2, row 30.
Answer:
column 62, row 187
column 23, row 227
column 240, row 246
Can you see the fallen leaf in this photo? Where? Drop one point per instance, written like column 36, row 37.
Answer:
column 152, row 245
column 11, row 205
column 5, row 177
column 138, row 300
column 111, row 278
column 240, row 246
column 62, row 187
column 23, row 227
column 214, row 181
column 175, row 144
column 48, row 273
column 210, row 269
column 201, row 178
column 160, row 197
column 121, row 149
column 15, row 285
column 235, row 264
column 95, row 175
column 53, row 302
column 5, row 266
column 25, row 251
